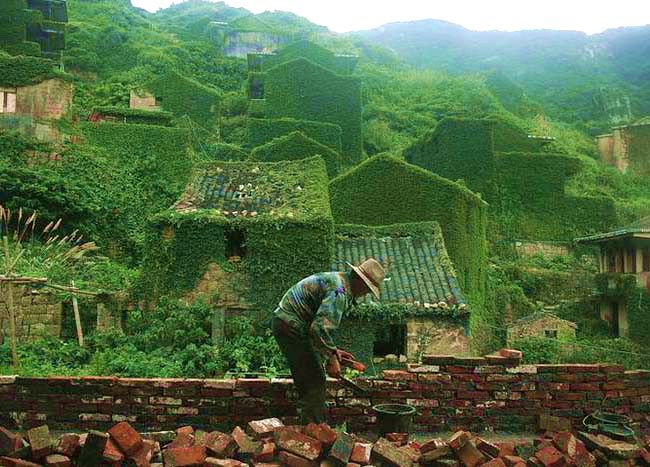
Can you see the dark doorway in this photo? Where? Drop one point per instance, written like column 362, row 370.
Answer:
column 235, row 244
column 615, row 312
column 390, row 339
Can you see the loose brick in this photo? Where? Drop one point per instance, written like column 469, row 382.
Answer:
column 9, row 442
column 291, row 460
column 182, row 440
column 512, row 461
column 184, row 457
column 92, row 452
column 390, row 454
column 215, row 462
column 342, row 448
column 469, row 455
column 398, row 439
column 487, row 448
column 126, row 438
column 299, row 444
column 68, row 445
column 58, row 460
column 494, row 463
column 220, row 445
column 112, row 453
column 566, row 443
column 262, row 428
column 432, row 444
column 142, row 457
column 40, row 441
column 361, row 453
column 458, row 440
column 322, row 432
column 245, row 444
column 549, row 456
column 12, row 462
column 266, row 454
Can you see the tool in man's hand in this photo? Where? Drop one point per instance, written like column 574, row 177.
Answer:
column 346, row 359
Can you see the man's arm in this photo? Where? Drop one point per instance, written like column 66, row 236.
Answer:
column 327, row 320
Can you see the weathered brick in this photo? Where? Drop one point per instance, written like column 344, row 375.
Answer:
column 126, row 438
column 68, row 445
column 458, row 440
column 220, row 445
column 142, row 457
column 549, row 456
column 266, row 454
column 215, row 462
column 12, row 462
column 9, row 442
column 298, row 443
column 388, row 453
column 399, row 375
column 342, row 448
column 361, row 453
column 58, row 460
column 262, row 428
column 291, row 460
column 322, row 432
column 512, row 461
column 184, row 457
column 245, row 444
column 487, row 448
column 182, row 440
column 40, row 441
column 112, row 453
column 494, row 463
column 398, row 439
column 469, row 455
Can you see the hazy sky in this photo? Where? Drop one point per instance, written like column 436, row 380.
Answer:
column 591, row 16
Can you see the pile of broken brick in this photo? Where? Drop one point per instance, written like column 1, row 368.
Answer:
column 269, row 443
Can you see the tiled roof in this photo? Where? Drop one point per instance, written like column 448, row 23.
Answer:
column 248, row 189
column 418, row 269
column 640, row 227
column 541, row 315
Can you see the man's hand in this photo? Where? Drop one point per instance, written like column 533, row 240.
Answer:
column 343, row 355
column 333, row 366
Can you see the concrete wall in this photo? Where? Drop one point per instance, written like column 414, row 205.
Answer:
column 142, row 100
column 40, row 315
column 449, row 393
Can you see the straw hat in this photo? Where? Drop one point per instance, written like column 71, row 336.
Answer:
column 372, row 274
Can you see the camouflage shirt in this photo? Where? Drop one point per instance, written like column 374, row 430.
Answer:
column 315, row 305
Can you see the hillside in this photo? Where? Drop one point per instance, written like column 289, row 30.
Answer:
column 592, row 80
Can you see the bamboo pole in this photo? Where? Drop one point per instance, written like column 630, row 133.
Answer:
column 12, row 325
column 77, row 319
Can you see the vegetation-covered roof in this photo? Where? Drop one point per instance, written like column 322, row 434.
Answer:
column 250, row 189
column 640, row 227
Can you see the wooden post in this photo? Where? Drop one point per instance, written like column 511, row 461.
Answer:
column 12, row 325
column 77, row 319
column 218, row 323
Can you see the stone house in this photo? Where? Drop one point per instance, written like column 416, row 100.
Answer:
column 39, row 315
column 623, row 254
column 541, row 324
column 242, row 234
column 421, row 310
column 246, row 35
column 627, row 147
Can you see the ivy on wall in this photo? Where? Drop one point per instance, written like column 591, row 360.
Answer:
column 304, row 90
column 294, row 146
column 340, row 64
column 149, row 117
column 280, row 250
column 185, row 96
column 384, row 190
column 526, row 189
column 261, row 131
column 637, row 140
column 23, row 70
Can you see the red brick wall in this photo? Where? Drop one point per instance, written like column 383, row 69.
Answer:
column 449, row 393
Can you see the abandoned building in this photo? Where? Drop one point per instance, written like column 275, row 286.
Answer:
column 306, row 82
column 541, row 324
column 241, row 223
column 627, row 147
column 245, row 35
column 36, row 103
column 38, row 27
column 624, row 265
column 421, row 309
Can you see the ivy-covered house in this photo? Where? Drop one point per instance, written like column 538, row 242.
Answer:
column 526, row 187
column 34, row 97
column 541, row 325
column 246, row 35
column 421, row 309
column 305, row 82
column 294, row 146
column 33, row 27
column 242, row 233
column 627, row 147
column 385, row 190
column 623, row 282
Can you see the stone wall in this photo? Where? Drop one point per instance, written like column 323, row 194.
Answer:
column 426, row 336
column 39, row 316
column 449, row 393
column 548, row 249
